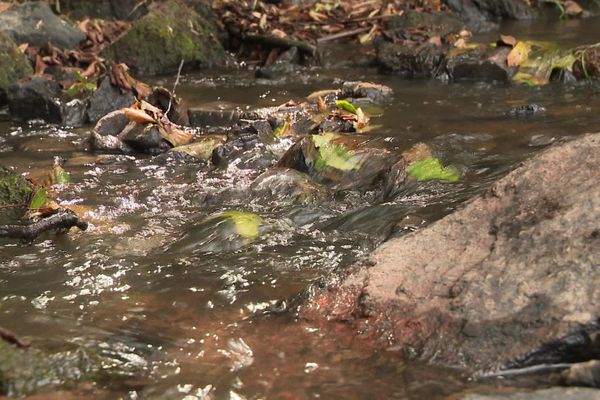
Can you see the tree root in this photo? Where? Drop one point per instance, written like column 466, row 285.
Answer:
column 63, row 220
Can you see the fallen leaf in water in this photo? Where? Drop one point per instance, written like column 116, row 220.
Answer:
column 173, row 134
column 321, row 104
column 430, row 169
column 572, row 9
column 460, row 43
column 139, row 116
column 507, row 40
column 519, row 54
column 346, row 106
column 436, row 41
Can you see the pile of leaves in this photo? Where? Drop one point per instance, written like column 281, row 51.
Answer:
column 314, row 22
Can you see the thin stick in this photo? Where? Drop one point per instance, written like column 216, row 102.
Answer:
column 343, row 35
column 10, row 337
column 175, row 87
column 526, row 370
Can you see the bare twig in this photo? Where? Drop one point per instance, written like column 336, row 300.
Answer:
column 343, row 35
column 10, row 337
column 63, row 219
column 174, row 87
column 535, row 369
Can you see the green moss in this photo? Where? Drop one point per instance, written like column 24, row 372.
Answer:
column 170, row 32
column 14, row 190
column 13, row 63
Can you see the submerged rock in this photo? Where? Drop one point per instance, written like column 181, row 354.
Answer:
column 557, row 393
column 108, row 98
column 216, row 113
column 527, row 110
column 14, row 65
column 410, row 62
column 33, row 22
column 36, row 98
column 169, row 33
column 508, row 280
column 340, row 161
column 202, row 148
column 481, row 63
column 226, row 231
column 284, row 185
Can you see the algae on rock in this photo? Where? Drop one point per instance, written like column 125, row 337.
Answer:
column 169, row 33
column 13, row 63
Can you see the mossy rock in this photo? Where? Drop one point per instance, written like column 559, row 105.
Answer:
column 14, row 190
column 169, row 33
column 13, row 63
column 24, row 372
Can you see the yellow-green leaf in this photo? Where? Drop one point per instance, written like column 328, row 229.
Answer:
column 431, row 168
column 39, row 199
column 247, row 224
column 346, row 105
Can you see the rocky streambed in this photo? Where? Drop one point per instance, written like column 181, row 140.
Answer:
column 296, row 230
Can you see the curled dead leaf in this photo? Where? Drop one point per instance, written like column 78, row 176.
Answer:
column 507, row 40
column 519, row 54
column 139, row 116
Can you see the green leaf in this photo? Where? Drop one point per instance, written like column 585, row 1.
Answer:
column 59, row 176
column 346, row 105
column 332, row 154
column 39, row 199
column 430, row 168
column 247, row 224
column 282, row 130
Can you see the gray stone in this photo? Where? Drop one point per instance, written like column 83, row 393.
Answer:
column 36, row 98
column 108, row 98
column 34, row 23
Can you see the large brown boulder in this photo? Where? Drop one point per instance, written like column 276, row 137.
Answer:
column 510, row 279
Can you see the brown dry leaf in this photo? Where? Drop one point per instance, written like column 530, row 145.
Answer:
column 465, row 33
column 507, row 40
column 518, row 55
column 436, row 41
column 278, row 33
column 40, row 66
column 139, row 116
column 5, row 6
column 144, row 105
column 361, row 119
column 174, row 135
column 572, row 9
column 321, row 104
column 460, row 43
column 23, row 47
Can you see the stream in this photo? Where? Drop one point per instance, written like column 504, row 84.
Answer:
column 126, row 317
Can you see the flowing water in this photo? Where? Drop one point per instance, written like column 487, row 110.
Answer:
column 130, row 318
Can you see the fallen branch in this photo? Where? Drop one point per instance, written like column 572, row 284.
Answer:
column 343, row 35
column 64, row 219
column 10, row 337
column 276, row 41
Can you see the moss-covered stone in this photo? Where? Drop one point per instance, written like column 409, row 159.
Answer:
column 13, row 63
column 169, row 33
column 14, row 190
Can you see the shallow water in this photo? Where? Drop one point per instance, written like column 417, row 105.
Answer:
column 155, row 323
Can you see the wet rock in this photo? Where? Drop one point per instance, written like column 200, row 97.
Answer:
column 74, row 113
column 178, row 112
column 170, row 32
column 36, row 98
column 587, row 64
column 108, row 98
column 27, row 372
column 144, row 139
column 436, row 23
column 226, row 231
column 477, row 13
column 201, row 149
column 104, row 9
column 246, row 151
column 527, row 110
column 217, row 113
column 339, row 161
column 583, row 374
column 482, row 63
column 410, row 62
column 105, row 135
column 509, row 280
column 288, row 186
column 543, row 394
column 14, row 65
column 367, row 90
column 284, row 67
column 34, row 23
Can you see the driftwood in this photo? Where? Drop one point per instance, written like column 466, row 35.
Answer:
column 10, row 337
column 64, row 219
column 286, row 43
